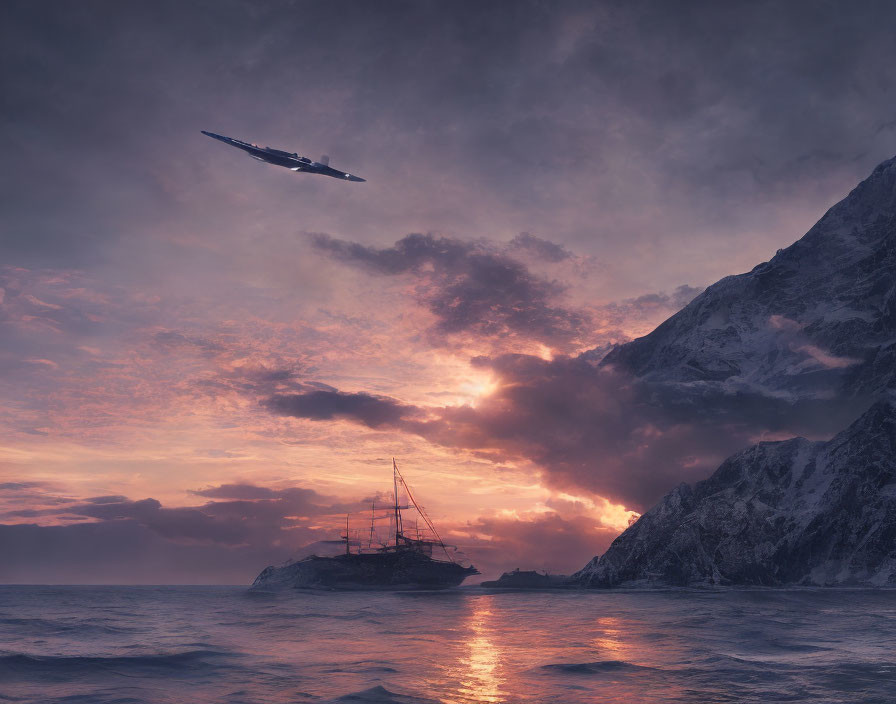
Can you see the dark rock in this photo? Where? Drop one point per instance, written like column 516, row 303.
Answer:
column 528, row 579
column 780, row 513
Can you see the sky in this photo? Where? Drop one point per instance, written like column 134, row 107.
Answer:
column 206, row 361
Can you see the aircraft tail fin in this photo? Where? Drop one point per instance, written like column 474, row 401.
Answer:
column 325, row 160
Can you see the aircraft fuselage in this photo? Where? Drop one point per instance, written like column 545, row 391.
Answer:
column 288, row 160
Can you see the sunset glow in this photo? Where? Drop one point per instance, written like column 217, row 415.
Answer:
column 209, row 360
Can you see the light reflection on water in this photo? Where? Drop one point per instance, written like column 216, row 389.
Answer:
column 608, row 643
column 479, row 671
column 203, row 645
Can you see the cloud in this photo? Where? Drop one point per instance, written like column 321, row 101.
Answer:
column 19, row 486
column 677, row 300
column 37, row 496
column 588, row 427
column 277, row 506
column 488, row 293
column 111, row 499
column 585, row 427
column 539, row 248
column 536, row 112
column 192, row 524
column 644, row 312
column 238, row 513
column 826, row 359
column 171, row 340
column 239, row 491
column 244, row 528
column 791, row 334
column 470, row 287
column 627, row 131
column 372, row 411
column 247, row 527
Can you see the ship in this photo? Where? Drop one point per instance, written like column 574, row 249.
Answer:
column 410, row 557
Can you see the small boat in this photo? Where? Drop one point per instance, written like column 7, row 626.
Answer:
column 411, row 558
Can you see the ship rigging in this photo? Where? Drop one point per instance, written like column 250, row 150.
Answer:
column 425, row 540
column 404, row 560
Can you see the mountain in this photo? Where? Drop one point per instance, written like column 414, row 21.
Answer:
column 802, row 344
column 817, row 321
column 780, row 513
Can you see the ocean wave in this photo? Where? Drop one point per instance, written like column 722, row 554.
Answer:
column 381, row 695
column 188, row 646
column 23, row 666
column 288, row 618
column 593, row 668
column 363, row 666
column 48, row 627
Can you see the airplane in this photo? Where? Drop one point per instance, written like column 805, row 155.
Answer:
column 291, row 161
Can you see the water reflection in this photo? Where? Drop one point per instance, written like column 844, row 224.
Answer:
column 204, row 644
column 610, row 643
column 478, row 670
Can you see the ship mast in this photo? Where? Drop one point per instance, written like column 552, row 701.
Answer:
column 397, row 507
column 396, row 475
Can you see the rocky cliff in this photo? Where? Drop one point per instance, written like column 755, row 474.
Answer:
column 803, row 343
column 780, row 513
column 817, row 320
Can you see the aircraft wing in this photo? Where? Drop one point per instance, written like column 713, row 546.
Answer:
column 336, row 173
column 239, row 144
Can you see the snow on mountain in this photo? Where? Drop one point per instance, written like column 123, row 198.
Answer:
column 817, row 321
column 806, row 340
column 780, row 513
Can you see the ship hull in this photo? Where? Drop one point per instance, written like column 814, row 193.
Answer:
column 374, row 571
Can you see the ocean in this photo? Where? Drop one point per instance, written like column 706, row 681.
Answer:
column 135, row 645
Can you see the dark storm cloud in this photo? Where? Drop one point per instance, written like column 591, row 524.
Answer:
column 652, row 134
column 585, row 427
column 372, row 411
column 470, row 287
column 622, row 438
column 704, row 109
column 595, row 428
